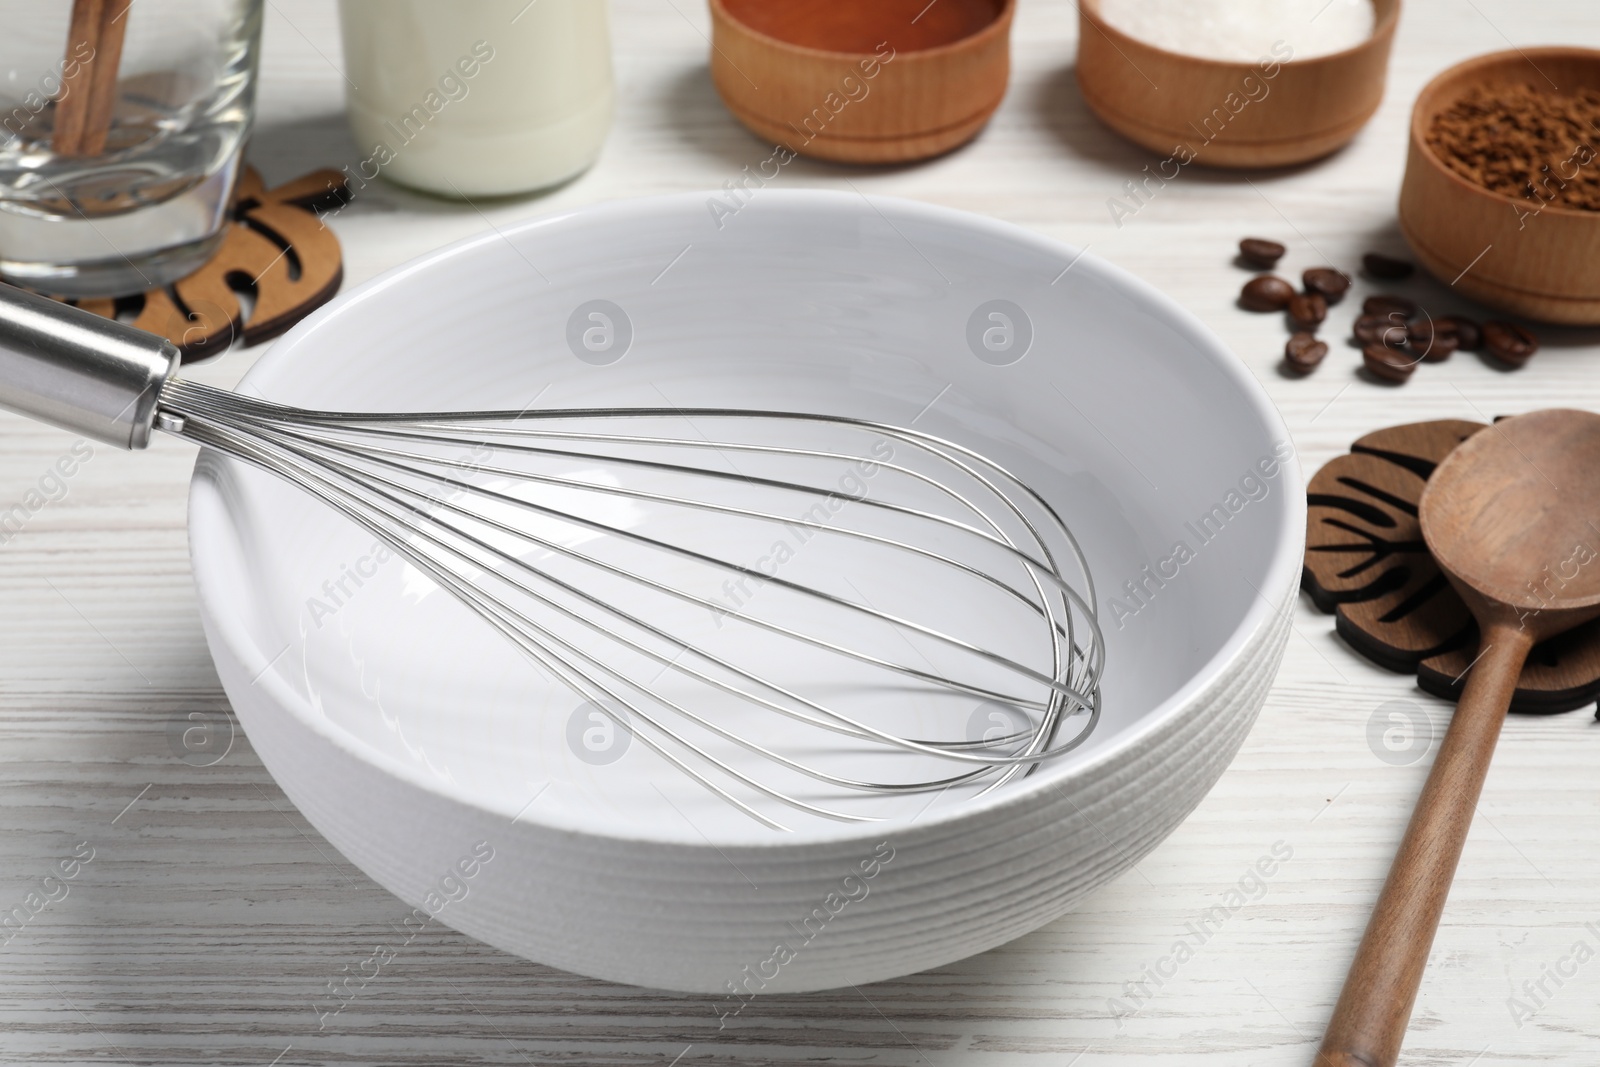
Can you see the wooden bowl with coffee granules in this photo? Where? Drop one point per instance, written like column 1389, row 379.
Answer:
column 1225, row 113
column 869, row 81
column 1501, row 197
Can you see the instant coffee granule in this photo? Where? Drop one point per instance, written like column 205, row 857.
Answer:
column 1524, row 141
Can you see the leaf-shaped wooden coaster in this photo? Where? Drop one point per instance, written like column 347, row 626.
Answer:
column 276, row 250
column 1367, row 563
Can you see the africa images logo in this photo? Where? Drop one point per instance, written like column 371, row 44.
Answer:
column 599, row 332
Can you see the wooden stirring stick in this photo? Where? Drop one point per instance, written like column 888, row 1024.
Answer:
column 1511, row 517
column 89, row 95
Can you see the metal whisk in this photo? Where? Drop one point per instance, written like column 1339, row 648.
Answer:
column 769, row 601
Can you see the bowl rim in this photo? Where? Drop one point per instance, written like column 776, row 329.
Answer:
column 1383, row 27
column 1281, row 574
column 1470, row 66
column 1000, row 25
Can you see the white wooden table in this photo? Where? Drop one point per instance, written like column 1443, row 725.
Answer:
column 211, row 915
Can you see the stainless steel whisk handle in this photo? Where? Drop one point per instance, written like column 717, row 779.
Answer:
column 78, row 371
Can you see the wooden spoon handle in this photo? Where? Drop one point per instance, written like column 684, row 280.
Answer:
column 1369, row 1022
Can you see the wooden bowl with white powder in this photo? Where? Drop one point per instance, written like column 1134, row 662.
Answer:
column 1234, row 83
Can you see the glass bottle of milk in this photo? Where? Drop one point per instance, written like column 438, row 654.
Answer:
column 469, row 98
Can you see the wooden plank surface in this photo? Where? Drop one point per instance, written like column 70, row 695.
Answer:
column 211, row 916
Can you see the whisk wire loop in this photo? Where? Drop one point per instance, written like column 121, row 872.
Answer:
column 501, row 537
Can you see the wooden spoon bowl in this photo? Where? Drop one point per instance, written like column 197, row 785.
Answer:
column 1510, row 516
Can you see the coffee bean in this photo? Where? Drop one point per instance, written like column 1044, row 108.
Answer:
column 1327, row 283
column 1388, row 364
column 1469, row 335
column 1509, row 343
column 1266, row 292
column 1303, row 352
column 1431, row 341
column 1260, row 252
column 1307, row 310
column 1380, row 330
column 1381, row 266
column 1385, row 303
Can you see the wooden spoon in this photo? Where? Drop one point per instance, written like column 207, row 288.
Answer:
column 1511, row 517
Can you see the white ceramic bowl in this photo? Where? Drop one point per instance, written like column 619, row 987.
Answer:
column 419, row 743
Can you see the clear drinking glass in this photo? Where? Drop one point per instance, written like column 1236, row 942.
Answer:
column 148, row 207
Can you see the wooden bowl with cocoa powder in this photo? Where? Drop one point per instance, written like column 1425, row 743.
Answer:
column 1525, row 250
column 1226, row 113
column 873, row 81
